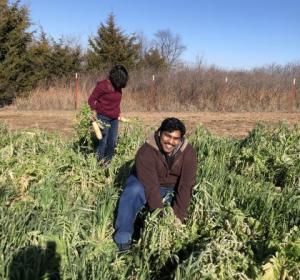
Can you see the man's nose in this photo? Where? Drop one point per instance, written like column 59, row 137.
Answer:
column 172, row 142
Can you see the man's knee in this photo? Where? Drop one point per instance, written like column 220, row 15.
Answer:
column 135, row 187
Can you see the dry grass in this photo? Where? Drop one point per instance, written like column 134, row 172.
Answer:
column 181, row 90
column 60, row 97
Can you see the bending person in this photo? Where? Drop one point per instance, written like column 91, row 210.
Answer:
column 105, row 102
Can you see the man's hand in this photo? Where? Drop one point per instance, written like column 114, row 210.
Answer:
column 158, row 212
column 162, row 213
column 177, row 222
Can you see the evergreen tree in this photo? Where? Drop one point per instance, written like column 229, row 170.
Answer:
column 14, row 40
column 39, row 59
column 110, row 46
column 51, row 60
column 66, row 59
column 25, row 61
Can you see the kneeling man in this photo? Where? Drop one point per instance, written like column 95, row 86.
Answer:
column 166, row 163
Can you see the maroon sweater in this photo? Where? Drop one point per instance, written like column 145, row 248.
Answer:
column 152, row 170
column 105, row 100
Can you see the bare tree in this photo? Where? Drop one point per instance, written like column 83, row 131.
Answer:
column 143, row 42
column 169, row 46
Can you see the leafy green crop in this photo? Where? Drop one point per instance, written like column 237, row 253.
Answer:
column 58, row 205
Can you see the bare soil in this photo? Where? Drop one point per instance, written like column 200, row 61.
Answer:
column 233, row 125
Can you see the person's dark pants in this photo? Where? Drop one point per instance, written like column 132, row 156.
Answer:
column 107, row 144
column 131, row 201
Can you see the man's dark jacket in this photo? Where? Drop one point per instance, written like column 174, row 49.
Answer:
column 153, row 171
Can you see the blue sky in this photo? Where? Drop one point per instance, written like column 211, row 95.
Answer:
column 229, row 34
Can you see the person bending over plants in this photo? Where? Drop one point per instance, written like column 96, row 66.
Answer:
column 165, row 164
column 105, row 102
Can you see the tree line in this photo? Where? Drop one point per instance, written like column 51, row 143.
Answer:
column 29, row 58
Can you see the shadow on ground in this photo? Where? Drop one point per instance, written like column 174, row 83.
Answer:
column 35, row 263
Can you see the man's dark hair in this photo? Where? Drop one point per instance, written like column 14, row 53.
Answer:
column 171, row 124
column 118, row 76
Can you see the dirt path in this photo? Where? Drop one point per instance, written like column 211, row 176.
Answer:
column 235, row 125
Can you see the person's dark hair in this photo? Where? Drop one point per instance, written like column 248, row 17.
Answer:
column 118, row 76
column 171, row 124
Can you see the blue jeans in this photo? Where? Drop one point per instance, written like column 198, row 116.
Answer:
column 132, row 199
column 107, row 144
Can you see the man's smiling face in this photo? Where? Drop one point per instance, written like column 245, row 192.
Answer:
column 169, row 140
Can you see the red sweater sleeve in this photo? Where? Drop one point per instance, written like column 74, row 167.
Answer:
column 96, row 94
column 186, row 183
column 147, row 174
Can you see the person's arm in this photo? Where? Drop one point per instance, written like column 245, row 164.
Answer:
column 146, row 172
column 96, row 94
column 185, row 184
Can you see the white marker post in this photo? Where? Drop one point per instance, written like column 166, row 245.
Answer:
column 152, row 94
column 76, row 90
column 293, row 99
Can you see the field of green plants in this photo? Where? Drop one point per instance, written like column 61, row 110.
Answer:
column 57, row 208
